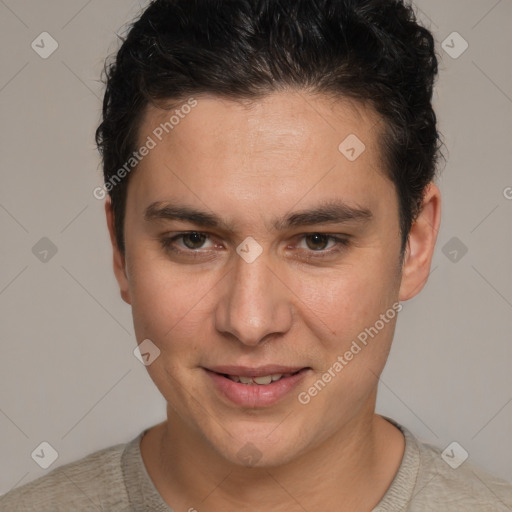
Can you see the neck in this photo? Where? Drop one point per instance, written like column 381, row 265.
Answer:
column 353, row 468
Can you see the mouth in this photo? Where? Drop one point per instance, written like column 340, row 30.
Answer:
column 263, row 380
column 256, row 387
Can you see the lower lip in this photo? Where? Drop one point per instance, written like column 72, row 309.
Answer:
column 256, row 395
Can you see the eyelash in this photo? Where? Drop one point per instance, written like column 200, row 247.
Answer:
column 340, row 244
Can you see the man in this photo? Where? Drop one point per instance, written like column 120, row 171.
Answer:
column 270, row 168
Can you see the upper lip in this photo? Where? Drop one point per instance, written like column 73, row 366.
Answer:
column 260, row 371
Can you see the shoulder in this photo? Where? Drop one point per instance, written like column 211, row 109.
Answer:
column 448, row 480
column 94, row 482
column 433, row 479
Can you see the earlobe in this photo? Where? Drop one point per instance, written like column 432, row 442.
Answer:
column 421, row 244
column 119, row 261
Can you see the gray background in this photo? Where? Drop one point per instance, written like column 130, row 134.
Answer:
column 68, row 375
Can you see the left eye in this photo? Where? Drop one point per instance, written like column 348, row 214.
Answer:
column 318, row 241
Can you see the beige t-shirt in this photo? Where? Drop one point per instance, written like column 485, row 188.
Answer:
column 115, row 480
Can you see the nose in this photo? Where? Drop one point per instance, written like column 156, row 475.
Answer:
column 255, row 304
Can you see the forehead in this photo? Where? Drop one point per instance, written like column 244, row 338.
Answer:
column 275, row 151
column 279, row 121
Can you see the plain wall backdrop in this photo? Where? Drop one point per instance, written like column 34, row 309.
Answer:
column 68, row 375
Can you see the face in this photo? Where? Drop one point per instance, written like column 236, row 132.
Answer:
column 255, row 247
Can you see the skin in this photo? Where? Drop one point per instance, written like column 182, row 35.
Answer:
column 249, row 163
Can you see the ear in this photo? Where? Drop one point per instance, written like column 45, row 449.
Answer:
column 421, row 244
column 118, row 258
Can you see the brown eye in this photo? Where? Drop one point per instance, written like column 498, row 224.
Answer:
column 322, row 245
column 196, row 240
column 193, row 244
column 319, row 241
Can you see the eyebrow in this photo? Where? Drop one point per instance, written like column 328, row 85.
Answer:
column 329, row 212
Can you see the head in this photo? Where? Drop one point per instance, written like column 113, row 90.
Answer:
column 285, row 122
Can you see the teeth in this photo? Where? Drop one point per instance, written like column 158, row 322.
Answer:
column 267, row 379
column 264, row 380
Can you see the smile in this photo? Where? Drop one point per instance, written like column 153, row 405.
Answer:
column 264, row 380
column 255, row 388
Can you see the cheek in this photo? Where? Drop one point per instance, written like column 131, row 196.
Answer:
column 168, row 307
column 358, row 307
column 342, row 302
column 169, row 302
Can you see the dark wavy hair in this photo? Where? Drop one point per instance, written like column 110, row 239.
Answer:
column 373, row 51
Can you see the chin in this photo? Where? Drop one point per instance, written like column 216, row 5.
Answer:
column 260, row 448
column 253, row 455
